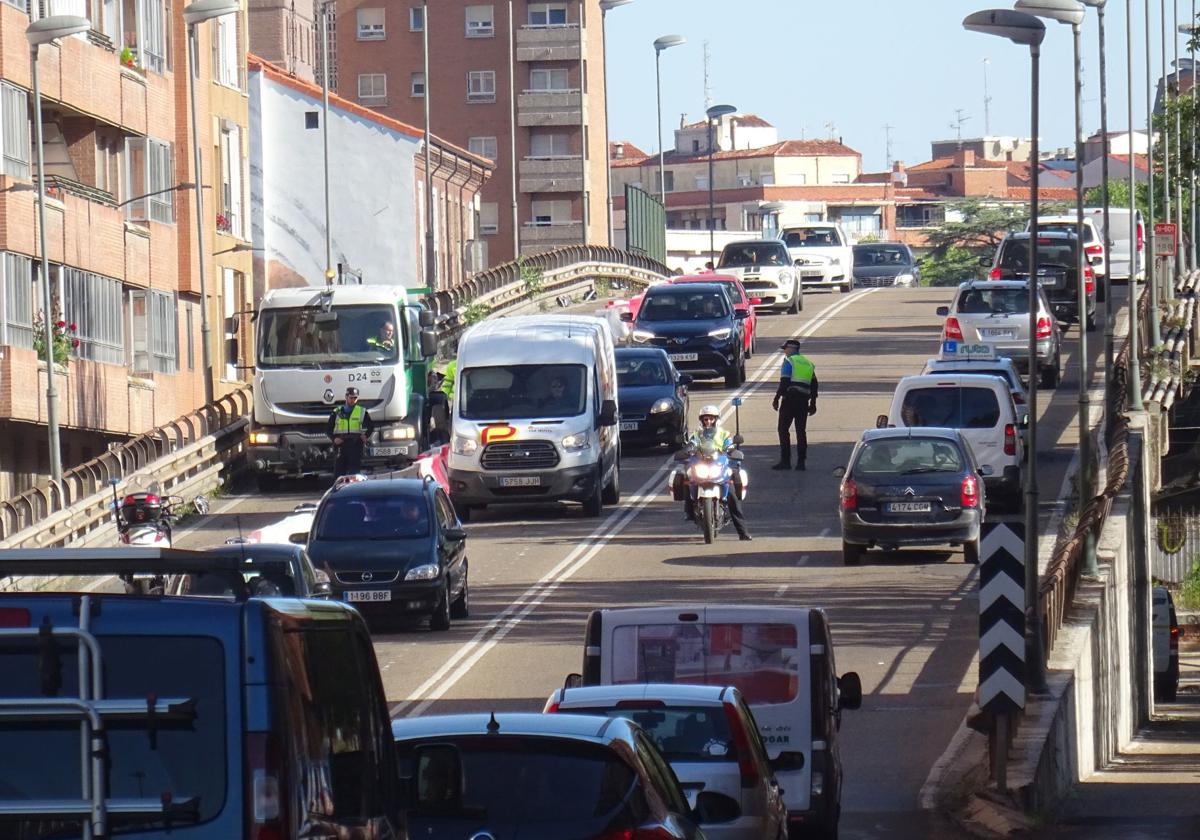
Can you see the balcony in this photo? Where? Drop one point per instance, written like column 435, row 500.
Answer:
column 536, row 238
column 549, row 107
column 564, row 174
column 549, row 43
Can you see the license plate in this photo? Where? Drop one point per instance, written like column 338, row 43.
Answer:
column 810, row 273
column 997, row 333
column 909, row 507
column 383, row 451
column 684, row 357
column 369, row 595
column 629, row 426
column 521, row 481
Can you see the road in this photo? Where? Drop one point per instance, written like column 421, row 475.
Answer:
column 907, row 623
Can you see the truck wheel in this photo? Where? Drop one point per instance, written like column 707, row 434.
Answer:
column 268, row 482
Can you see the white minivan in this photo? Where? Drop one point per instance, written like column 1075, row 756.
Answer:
column 981, row 407
column 779, row 658
column 535, row 414
column 1123, row 242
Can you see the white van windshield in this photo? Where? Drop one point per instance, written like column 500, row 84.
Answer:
column 761, row 660
column 515, row 392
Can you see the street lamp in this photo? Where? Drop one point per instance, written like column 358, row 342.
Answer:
column 605, row 6
column 1025, row 29
column 713, row 113
column 660, row 44
column 1134, row 374
column 1152, row 256
column 37, row 33
column 323, row 11
column 1188, row 29
column 194, row 14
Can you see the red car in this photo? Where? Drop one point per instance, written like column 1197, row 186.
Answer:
column 742, row 302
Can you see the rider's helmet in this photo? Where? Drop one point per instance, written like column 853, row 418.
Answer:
column 710, row 412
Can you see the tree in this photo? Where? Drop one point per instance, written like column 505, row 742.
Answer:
column 1118, row 196
column 980, row 227
column 950, row 268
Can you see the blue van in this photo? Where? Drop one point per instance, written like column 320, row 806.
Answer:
column 150, row 716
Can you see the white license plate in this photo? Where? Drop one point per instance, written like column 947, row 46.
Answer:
column 684, row 357
column 997, row 333
column 811, row 273
column 521, row 481
column 384, row 451
column 629, row 426
column 909, row 507
column 368, row 595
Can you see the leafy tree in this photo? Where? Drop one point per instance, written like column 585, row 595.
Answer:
column 951, row 267
column 980, row 226
column 1118, row 196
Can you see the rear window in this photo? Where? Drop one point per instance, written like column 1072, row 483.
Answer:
column 681, row 733
column 908, row 457
column 373, row 518
column 635, row 371
column 188, row 759
column 1065, row 227
column 761, row 660
column 1056, row 253
column 951, row 407
column 994, row 301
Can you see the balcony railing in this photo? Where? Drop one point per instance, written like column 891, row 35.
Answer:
column 560, row 42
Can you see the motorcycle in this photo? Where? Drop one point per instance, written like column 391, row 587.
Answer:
column 706, row 479
column 143, row 520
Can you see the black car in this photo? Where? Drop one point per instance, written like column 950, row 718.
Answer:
column 885, row 264
column 653, row 398
column 394, row 548
column 697, row 326
column 911, row 487
column 1058, row 271
column 269, row 569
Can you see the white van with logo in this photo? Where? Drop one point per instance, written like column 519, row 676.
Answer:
column 535, row 414
column 779, row 658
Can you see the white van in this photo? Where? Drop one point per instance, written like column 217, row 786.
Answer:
column 535, row 414
column 981, row 407
column 1117, row 259
column 779, row 658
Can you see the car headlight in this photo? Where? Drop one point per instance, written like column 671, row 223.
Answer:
column 783, row 277
column 722, row 333
column 662, row 406
column 576, row 442
column 399, row 433
column 429, row 571
column 464, row 445
column 904, row 279
column 641, row 336
column 263, row 438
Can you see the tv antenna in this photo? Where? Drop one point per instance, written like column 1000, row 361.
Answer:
column 957, row 125
column 832, row 128
column 708, row 100
column 887, row 132
column 987, row 101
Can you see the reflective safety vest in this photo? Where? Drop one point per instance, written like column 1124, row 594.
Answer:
column 802, row 374
column 717, row 435
column 448, row 382
column 354, row 423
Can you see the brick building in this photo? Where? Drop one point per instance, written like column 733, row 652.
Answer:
column 285, row 33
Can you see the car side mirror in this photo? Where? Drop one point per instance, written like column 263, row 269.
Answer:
column 756, row 301
column 881, row 422
column 200, row 504
column 573, row 681
column 608, row 413
column 741, row 314
column 712, row 807
column 627, row 317
column 786, row 761
column 438, row 778
column 299, row 538
column 736, row 455
column 986, row 470
column 454, row 534
column 849, row 691
column 839, row 472
column 943, row 311
column 684, row 379
column 305, row 507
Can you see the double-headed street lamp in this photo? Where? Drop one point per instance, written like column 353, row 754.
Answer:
column 40, row 32
column 713, row 113
column 1025, row 29
column 605, row 7
column 660, row 44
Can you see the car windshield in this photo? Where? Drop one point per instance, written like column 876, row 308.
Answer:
column 681, row 733
column 346, row 335
column 684, row 306
column 753, row 254
column 1052, row 253
column 881, row 255
column 823, row 237
column 514, row 392
column 1007, row 301
column 646, row 370
column 373, row 518
column 907, row 456
column 951, row 408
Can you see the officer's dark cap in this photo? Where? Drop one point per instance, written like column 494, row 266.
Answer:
column 791, row 342
column 351, row 392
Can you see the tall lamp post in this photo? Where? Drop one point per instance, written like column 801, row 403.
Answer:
column 660, row 44
column 713, row 113
column 193, row 14
column 1134, row 376
column 323, row 10
column 605, row 6
column 40, row 32
column 1187, row 29
column 1025, row 29
column 1152, row 256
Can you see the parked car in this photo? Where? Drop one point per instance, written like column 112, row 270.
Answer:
column 765, row 268
column 709, row 736
column 543, row 777
column 885, row 264
column 1000, row 366
column 1093, row 244
column 822, row 254
column 242, row 717
column 1165, row 644
column 996, row 313
column 1122, row 242
column 653, row 396
column 911, row 487
column 981, row 408
column 268, row 569
column 742, row 302
column 697, row 326
column 394, row 548
column 1058, row 272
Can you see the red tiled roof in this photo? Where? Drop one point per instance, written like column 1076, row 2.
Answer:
column 1139, row 161
column 873, row 178
column 785, row 148
column 1044, row 193
column 630, row 151
column 949, row 163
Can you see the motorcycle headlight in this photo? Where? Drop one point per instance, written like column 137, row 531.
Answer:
column 399, row 433
column 263, row 438
column 464, row 445
column 641, row 336
column 576, row 442
column 721, row 334
column 429, row 571
column 662, row 406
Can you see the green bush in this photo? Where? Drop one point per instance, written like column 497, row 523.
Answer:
column 1189, row 591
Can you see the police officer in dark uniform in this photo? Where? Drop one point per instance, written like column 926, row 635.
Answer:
column 349, row 427
column 798, row 393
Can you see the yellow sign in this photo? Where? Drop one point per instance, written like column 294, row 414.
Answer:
column 492, row 434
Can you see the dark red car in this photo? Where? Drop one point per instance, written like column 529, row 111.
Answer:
column 742, row 302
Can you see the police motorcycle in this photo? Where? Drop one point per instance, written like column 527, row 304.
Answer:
column 145, row 520
column 707, row 476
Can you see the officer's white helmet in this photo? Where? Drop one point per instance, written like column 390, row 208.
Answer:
column 710, row 410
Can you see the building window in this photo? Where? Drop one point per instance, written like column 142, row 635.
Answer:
column 548, row 79
column 370, row 25
column 669, row 178
column 16, row 302
column 108, row 161
column 481, row 86
column 14, row 131
column 417, row 86
column 551, row 212
column 549, row 146
column 484, row 147
column 152, row 328
column 547, row 14
column 920, row 215
column 767, row 179
column 226, row 55
column 479, row 22
column 702, row 182
column 231, row 179
column 416, row 19
column 372, row 86
column 840, row 178
column 150, row 176
column 489, row 217
column 145, row 33
column 93, row 303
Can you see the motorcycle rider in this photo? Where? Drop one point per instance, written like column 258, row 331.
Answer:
column 711, row 430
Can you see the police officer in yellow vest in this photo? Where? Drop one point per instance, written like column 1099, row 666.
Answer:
column 350, row 427
column 798, row 393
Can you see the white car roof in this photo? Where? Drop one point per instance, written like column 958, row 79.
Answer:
column 671, row 694
column 974, row 380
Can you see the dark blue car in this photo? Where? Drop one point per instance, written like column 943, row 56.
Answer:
column 697, row 326
column 653, row 398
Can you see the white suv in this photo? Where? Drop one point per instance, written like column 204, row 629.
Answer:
column 821, row 253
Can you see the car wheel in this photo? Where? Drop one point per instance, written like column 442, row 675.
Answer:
column 440, row 620
column 1050, row 376
column 852, row 554
column 461, row 608
column 593, row 505
column 612, row 491
column 267, row 482
column 794, row 306
column 847, row 287
column 971, row 553
column 731, row 377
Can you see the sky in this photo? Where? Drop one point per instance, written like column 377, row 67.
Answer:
column 859, row 65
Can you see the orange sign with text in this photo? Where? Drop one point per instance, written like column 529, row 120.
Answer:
column 1166, row 235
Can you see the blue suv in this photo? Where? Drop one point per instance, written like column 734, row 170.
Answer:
column 698, row 327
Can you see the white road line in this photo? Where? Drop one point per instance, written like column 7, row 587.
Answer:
column 803, row 559
column 462, row 660
column 781, row 590
column 824, row 533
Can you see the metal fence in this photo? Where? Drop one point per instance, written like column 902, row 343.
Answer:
column 1175, row 550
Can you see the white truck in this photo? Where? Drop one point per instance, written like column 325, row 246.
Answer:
column 313, row 343
column 822, row 254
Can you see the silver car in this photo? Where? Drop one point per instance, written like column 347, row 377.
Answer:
column 996, row 312
column 711, row 740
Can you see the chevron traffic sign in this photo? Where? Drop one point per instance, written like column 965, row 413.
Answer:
column 1002, row 617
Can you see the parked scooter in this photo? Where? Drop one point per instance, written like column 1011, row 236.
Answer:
column 707, row 478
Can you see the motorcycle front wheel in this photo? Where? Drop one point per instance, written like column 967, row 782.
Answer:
column 708, row 518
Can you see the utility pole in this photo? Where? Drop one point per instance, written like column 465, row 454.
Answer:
column 707, row 84
column 987, row 102
column 887, row 133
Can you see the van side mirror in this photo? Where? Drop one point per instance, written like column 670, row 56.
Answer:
column 849, row 691
column 881, row 421
column 429, row 343
column 838, row 472
column 798, row 263
column 438, row 778
column 627, row 317
column 786, row 761
column 608, row 413
column 712, row 807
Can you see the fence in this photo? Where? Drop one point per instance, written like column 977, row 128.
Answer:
column 1175, row 550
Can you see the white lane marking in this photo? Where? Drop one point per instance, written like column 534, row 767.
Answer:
column 463, row 659
column 803, row 559
column 781, row 590
column 824, row 533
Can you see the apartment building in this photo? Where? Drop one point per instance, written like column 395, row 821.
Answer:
column 285, row 33
column 554, row 52
column 120, row 226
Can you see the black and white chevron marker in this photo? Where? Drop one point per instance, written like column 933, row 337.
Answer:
column 1002, row 617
